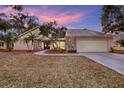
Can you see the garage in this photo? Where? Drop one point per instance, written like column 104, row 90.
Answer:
column 84, row 40
column 92, row 45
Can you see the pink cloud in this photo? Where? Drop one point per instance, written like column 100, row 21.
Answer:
column 64, row 18
column 48, row 14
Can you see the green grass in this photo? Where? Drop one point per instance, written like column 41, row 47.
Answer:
column 28, row 70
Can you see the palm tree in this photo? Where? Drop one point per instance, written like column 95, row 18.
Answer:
column 26, row 40
column 9, row 39
column 30, row 38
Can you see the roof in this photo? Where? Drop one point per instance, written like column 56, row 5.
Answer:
column 40, row 36
column 85, row 33
column 28, row 31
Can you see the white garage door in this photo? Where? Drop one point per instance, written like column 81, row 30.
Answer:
column 91, row 45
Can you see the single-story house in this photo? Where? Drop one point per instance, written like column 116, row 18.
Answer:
column 75, row 40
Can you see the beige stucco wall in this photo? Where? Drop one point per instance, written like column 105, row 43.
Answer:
column 93, row 44
column 20, row 45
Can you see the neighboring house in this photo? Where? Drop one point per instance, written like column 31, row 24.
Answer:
column 84, row 40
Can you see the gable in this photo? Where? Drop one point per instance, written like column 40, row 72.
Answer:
column 33, row 31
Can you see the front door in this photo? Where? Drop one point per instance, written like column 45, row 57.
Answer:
column 46, row 45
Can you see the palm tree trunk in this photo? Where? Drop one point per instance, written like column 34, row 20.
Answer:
column 8, row 46
column 27, row 45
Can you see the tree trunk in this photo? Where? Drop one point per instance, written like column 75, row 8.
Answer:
column 27, row 45
column 8, row 46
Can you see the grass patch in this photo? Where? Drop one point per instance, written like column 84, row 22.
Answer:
column 28, row 70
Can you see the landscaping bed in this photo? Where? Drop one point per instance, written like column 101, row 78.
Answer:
column 118, row 50
column 55, row 52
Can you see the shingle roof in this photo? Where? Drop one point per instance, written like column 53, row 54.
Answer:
column 85, row 33
column 28, row 31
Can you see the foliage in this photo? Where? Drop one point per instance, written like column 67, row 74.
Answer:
column 4, row 24
column 9, row 39
column 16, row 7
column 113, row 19
column 58, row 49
column 22, row 21
column 30, row 38
column 52, row 31
column 15, row 22
column 120, row 42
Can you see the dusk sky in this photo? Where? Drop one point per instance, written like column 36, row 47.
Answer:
column 82, row 16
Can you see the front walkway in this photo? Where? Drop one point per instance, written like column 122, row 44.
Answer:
column 111, row 60
column 42, row 53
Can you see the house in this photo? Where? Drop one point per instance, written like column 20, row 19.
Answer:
column 84, row 40
column 75, row 40
column 40, row 43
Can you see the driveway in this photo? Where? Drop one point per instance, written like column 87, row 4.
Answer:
column 111, row 60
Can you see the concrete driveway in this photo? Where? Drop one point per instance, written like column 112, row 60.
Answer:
column 111, row 60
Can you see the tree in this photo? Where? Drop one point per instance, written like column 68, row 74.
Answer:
column 9, row 39
column 26, row 40
column 30, row 38
column 16, row 22
column 16, row 7
column 112, row 19
column 52, row 31
column 4, row 24
column 20, row 20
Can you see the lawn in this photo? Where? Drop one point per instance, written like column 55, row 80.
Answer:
column 28, row 70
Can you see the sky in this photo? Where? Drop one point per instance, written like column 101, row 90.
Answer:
column 70, row 16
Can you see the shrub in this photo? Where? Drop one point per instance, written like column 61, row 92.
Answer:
column 58, row 49
column 4, row 50
column 120, row 42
